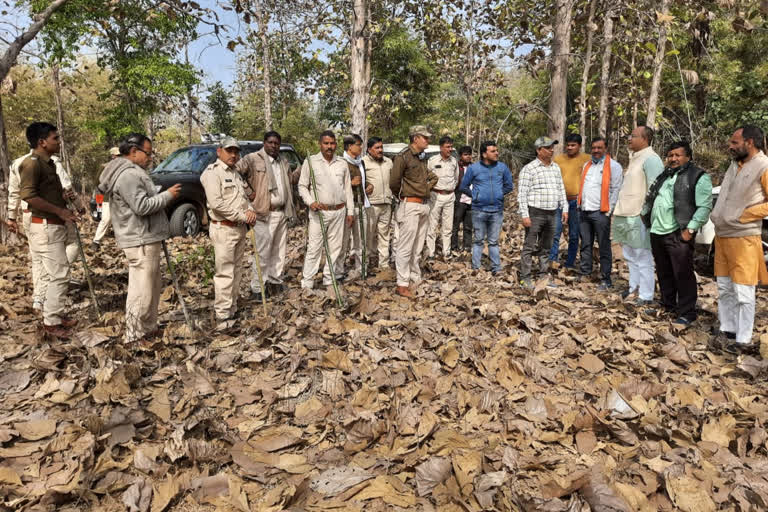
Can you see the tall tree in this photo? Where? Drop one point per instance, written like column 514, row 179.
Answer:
column 561, row 49
column 590, row 29
column 658, row 64
column 605, row 72
column 266, row 59
column 360, row 66
column 219, row 103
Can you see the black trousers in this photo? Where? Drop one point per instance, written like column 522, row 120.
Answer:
column 595, row 225
column 674, row 268
column 462, row 214
column 538, row 241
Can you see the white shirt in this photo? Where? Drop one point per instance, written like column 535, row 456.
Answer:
column 276, row 196
column 447, row 171
column 332, row 179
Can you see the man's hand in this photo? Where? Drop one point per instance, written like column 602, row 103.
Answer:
column 67, row 215
column 316, row 206
column 350, row 220
column 69, row 194
column 686, row 235
column 250, row 217
column 527, row 222
column 356, row 181
column 252, row 196
column 175, row 190
column 12, row 226
column 565, row 217
column 369, row 189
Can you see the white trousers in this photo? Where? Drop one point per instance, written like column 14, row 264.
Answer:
column 229, row 249
column 271, row 240
column 736, row 308
column 334, row 224
column 104, row 224
column 642, row 274
column 413, row 221
column 379, row 217
column 351, row 244
column 440, row 212
column 47, row 244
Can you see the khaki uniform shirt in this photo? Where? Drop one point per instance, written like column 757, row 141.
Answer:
column 447, row 172
column 224, row 192
column 332, row 179
column 377, row 174
column 38, row 178
column 410, row 176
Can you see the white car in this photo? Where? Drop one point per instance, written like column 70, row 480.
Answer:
column 706, row 235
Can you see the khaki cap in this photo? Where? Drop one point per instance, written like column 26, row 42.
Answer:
column 229, row 142
column 114, row 151
column 419, row 129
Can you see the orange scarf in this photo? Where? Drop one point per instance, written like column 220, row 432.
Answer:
column 605, row 204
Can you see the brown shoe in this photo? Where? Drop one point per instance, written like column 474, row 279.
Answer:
column 404, row 291
column 67, row 322
column 57, row 331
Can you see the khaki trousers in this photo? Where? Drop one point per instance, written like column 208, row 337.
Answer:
column 39, row 286
column 144, row 281
column 229, row 248
column 104, row 224
column 334, row 225
column 378, row 232
column 271, row 240
column 440, row 212
column 413, row 221
column 47, row 244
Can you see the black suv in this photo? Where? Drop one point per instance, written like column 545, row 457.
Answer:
column 187, row 214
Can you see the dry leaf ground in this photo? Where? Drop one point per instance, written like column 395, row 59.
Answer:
column 476, row 396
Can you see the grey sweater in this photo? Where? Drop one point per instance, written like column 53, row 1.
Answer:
column 137, row 210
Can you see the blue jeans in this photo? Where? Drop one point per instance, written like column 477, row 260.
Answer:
column 573, row 234
column 486, row 225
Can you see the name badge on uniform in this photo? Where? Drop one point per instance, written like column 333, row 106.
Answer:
column 228, row 180
column 438, row 166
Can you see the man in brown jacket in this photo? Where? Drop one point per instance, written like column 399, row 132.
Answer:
column 412, row 182
column 269, row 189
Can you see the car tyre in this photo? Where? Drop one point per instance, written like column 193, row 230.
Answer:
column 185, row 221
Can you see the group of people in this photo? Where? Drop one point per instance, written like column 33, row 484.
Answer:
column 358, row 200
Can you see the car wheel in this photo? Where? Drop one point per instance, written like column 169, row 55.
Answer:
column 185, row 221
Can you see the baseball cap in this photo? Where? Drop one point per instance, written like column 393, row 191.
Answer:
column 544, row 142
column 419, row 129
column 229, row 142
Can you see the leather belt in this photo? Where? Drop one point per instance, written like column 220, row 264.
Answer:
column 571, row 198
column 442, row 191
column 40, row 220
column 414, row 199
column 332, row 206
column 228, row 223
column 25, row 211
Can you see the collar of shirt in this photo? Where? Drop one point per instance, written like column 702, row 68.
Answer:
column 43, row 157
column 542, row 164
column 597, row 162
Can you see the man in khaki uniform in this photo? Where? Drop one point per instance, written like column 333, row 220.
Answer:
column 411, row 181
column 41, row 188
column 140, row 225
column 377, row 171
column 334, row 200
column 229, row 211
column 441, row 201
column 269, row 190
column 39, row 285
column 106, row 218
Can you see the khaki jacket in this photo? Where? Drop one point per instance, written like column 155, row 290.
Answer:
column 224, row 193
column 377, row 174
column 410, row 176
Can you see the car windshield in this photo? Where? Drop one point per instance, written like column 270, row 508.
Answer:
column 194, row 159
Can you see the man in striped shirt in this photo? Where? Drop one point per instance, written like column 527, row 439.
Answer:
column 540, row 194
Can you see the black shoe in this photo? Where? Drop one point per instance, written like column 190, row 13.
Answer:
column 95, row 246
column 626, row 293
column 604, row 286
column 256, row 296
column 740, row 348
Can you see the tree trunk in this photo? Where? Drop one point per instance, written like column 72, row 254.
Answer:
column 5, row 176
column 266, row 63
column 658, row 65
column 13, row 50
column 64, row 150
column 585, row 71
column 561, row 47
column 605, row 74
column 189, row 99
column 361, row 85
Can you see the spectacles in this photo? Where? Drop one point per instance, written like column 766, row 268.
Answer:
column 142, row 150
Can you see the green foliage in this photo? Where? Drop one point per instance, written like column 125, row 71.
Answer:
column 220, row 107
column 197, row 263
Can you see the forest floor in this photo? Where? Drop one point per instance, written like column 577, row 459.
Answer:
column 478, row 395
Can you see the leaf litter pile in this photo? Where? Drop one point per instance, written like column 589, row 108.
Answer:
column 478, row 395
